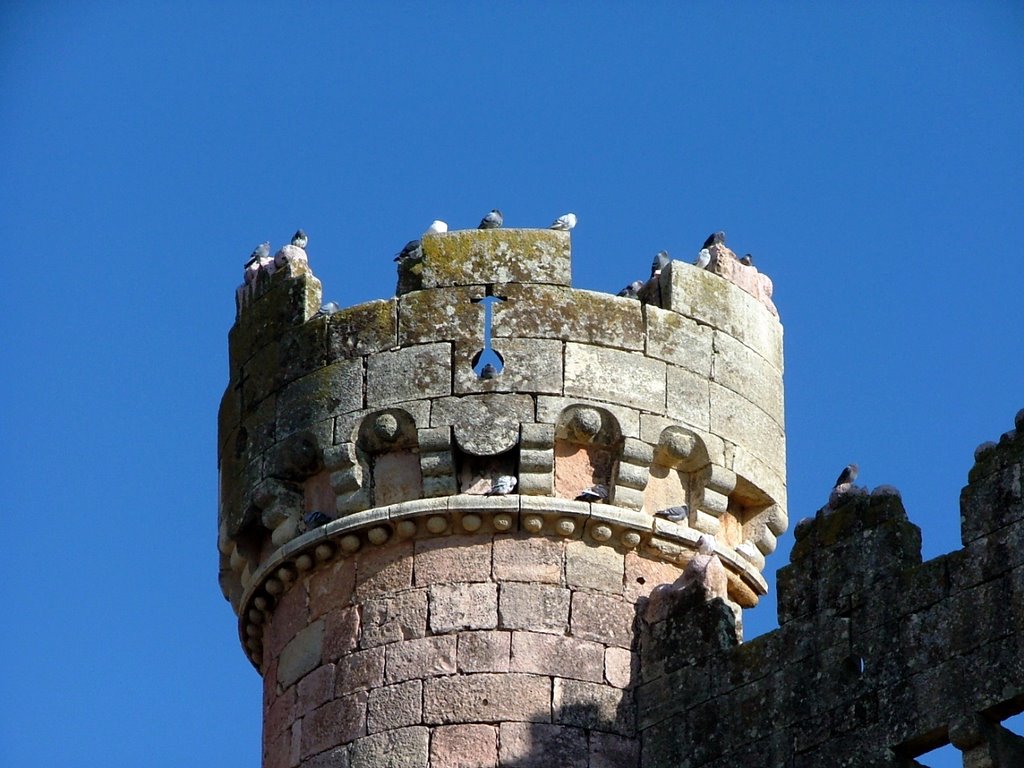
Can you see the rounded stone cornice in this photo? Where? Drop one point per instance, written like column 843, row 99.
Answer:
column 600, row 524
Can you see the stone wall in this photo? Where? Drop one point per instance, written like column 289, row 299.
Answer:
column 879, row 657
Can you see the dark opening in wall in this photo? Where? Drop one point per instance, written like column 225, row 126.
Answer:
column 480, row 475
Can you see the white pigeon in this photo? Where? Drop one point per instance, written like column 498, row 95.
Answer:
column 564, row 223
column 703, row 258
column 436, row 226
column 502, row 485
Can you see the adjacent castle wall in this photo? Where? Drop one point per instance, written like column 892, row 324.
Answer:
column 878, row 658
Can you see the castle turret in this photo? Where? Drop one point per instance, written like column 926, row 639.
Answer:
column 403, row 606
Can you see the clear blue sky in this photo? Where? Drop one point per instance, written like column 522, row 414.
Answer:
column 870, row 155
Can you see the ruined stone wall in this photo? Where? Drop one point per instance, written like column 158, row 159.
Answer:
column 417, row 621
column 879, row 657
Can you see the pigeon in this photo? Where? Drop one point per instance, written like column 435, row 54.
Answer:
column 299, row 239
column 594, row 493
column 411, row 250
column 661, row 260
column 328, row 308
column 565, row 223
column 488, row 372
column 715, row 238
column 315, row 520
column 436, row 226
column 847, row 476
column 259, row 259
column 706, row 544
column 492, row 220
column 703, row 258
column 632, row 291
column 502, row 485
column 675, row 514
column 748, row 260
column 261, row 251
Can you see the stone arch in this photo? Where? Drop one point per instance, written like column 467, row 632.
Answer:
column 678, row 459
column 588, row 441
column 388, row 449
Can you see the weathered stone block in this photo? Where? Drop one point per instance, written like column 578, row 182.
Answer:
column 399, row 748
column 315, row 689
column 387, row 619
column 362, row 330
column 410, row 373
column 425, row 657
column 484, row 651
column 737, row 420
column 593, row 706
column 331, row 587
column 537, row 607
column 621, row 667
column 332, row 390
column 602, row 618
column 341, row 632
column 476, row 257
column 688, row 398
column 384, row 569
column 542, row 744
column 464, row 746
column 301, row 655
column 336, row 722
column 596, row 373
column 448, row 315
column 452, row 558
column 739, row 368
column 679, row 340
column 522, row 557
column 487, row 697
column 463, row 606
column 545, row 654
column 483, row 424
column 536, row 312
column 593, row 567
column 291, row 614
column 550, row 409
column 394, row 706
column 359, row 671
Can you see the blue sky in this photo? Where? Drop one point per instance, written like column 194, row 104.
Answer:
column 870, row 155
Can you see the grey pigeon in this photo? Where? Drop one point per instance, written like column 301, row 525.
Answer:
column 488, row 372
column 502, row 485
column 848, row 475
column 261, row 251
column 564, row 223
column 299, row 239
column 328, row 308
column 747, row 260
column 594, row 493
column 715, row 238
column 315, row 520
column 661, row 260
column 632, row 291
column 703, row 259
column 411, row 250
column 492, row 220
column 675, row 514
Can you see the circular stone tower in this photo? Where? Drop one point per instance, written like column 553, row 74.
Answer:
column 401, row 613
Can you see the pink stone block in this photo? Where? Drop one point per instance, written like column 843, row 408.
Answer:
column 555, row 655
column 455, row 607
column 643, row 575
column 396, row 478
column 359, row 671
column 315, row 689
column 452, row 558
column 605, row 619
column 290, row 615
column 395, row 706
column 331, row 587
column 542, row 744
column 384, row 569
column 538, row 607
column 425, row 657
column 281, row 714
column 341, row 632
column 464, row 746
column 528, row 558
column 336, row 722
column 487, row 697
column 484, row 651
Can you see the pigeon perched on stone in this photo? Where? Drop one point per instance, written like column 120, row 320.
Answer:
column 703, row 259
column 411, row 250
column 847, row 476
column 261, row 251
column 328, row 308
column 715, row 238
column 632, row 291
column 436, row 226
column 492, row 220
column 661, row 260
column 315, row 520
column 299, row 239
column 565, row 223
column 488, row 371
column 675, row 514
column 595, row 492
column 747, row 260
column 259, row 259
column 502, row 485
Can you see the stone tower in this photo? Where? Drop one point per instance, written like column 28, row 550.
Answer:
column 418, row 620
